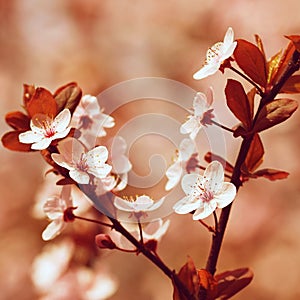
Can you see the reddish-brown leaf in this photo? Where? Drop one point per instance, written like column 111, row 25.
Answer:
column 209, row 157
column 238, row 102
column 251, row 60
column 273, row 65
column 271, row 174
column 17, row 120
column 292, row 85
column 10, row 140
column 281, row 66
column 255, row 154
column 260, row 45
column 189, row 276
column 208, row 285
column 251, row 95
column 68, row 96
column 42, row 102
column 296, row 40
column 274, row 113
column 28, row 92
column 231, row 282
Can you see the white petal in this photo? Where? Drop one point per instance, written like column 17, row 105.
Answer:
column 79, row 176
column 117, row 146
column 62, row 120
column 210, row 96
column 157, row 204
column 121, row 164
column 190, row 125
column 97, row 157
column 71, row 149
column 162, row 229
column 53, row 229
column 185, row 205
column 30, row 137
column 206, row 71
column 90, row 105
column 213, row 177
column 200, row 104
column 61, row 134
column 186, row 149
column 65, row 195
column 188, row 182
column 173, row 174
column 123, row 204
column 205, row 210
column 123, row 182
column 229, row 37
column 42, row 144
column 60, row 160
column 229, row 51
column 100, row 171
column 226, row 195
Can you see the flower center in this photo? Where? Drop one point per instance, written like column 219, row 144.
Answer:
column 82, row 164
column 49, row 130
column 206, row 196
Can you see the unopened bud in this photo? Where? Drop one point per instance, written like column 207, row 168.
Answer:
column 104, row 241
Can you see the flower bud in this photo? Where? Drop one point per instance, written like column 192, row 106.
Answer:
column 104, row 241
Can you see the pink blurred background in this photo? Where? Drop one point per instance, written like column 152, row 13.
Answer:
column 100, row 43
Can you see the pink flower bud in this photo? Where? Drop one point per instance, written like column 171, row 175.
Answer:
column 104, row 241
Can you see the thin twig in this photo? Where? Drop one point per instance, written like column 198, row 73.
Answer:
column 222, row 126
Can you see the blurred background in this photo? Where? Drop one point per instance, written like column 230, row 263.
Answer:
column 101, row 43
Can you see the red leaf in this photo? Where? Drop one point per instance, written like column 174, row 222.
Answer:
column 251, row 60
column 10, row 140
column 274, row 113
column 292, row 85
column 209, row 157
column 68, row 96
column 271, row 174
column 295, row 39
column 208, row 285
column 231, row 282
column 238, row 102
column 18, row 121
column 284, row 62
column 260, row 45
column 189, row 276
column 251, row 95
column 273, row 66
column 255, row 154
column 42, row 102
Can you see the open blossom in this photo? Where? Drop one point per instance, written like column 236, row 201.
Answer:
column 44, row 130
column 142, row 204
column 90, row 119
column 182, row 162
column 54, row 209
column 201, row 116
column 73, row 156
column 216, row 55
column 205, row 193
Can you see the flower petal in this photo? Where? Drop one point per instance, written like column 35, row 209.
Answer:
column 200, row 104
column 189, row 181
column 173, row 174
column 226, row 195
column 205, row 210
column 62, row 120
column 122, row 204
column 97, row 157
column 90, row 105
column 79, row 176
column 191, row 126
column 186, row 149
column 42, row 144
column 229, row 37
column 30, row 137
column 60, row 160
column 157, row 204
column 53, row 229
column 213, row 177
column 206, row 71
column 71, row 150
column 100, row 171
column 185, row 205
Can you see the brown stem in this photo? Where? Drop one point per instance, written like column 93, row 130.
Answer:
column 217, row 239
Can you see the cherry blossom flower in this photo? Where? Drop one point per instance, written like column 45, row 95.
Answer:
column 80, row 162
column 205, row 193
column 89, row 117
column 201, row 115
column 182, row 162
column 55, row 208
column 216, row 55
column 44, row 130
